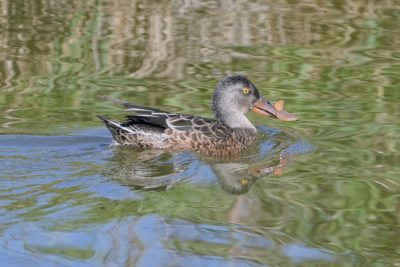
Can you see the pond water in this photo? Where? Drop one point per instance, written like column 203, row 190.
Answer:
column 327, row 191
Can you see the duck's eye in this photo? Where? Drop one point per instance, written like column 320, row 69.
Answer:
column 246, row 90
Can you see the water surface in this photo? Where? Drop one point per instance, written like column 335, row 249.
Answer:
column 68, row 198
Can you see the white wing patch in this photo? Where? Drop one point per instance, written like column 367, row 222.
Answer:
column 121, row 127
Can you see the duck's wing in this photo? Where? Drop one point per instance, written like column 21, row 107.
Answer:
column 144, row 115
column 175, row 121
column 209, row 127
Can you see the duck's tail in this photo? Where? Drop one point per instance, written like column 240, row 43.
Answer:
column 117, row 130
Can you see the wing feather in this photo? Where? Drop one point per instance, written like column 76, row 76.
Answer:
column 175, row 121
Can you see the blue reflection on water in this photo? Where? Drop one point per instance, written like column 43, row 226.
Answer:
column 300, row 253
column 39, row 172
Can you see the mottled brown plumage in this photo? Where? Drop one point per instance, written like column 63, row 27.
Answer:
column 228, row 134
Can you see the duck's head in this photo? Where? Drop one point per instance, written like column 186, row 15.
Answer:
column 235, row 95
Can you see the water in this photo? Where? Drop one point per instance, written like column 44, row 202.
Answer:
column 68, row 198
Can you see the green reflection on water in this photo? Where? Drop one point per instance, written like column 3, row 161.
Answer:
column 81, row 254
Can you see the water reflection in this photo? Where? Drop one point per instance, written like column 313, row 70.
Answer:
column 58, row 194
column 163, row 40
column 155, row 169
column 152, row 240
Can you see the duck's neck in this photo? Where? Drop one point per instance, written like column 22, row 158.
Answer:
column 234, row 119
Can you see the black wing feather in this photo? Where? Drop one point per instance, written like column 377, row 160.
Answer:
column 148, row 120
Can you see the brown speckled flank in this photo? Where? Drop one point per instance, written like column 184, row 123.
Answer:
column 227, row 134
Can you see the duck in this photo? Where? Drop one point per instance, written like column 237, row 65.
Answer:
column 228, row 133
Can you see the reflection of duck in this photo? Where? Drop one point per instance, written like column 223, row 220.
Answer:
column 238, row 178
column 160, row 170
column 234, row 177
column 149, row 169
column 228, row 134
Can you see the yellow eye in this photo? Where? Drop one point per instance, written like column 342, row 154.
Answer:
column 246, row 90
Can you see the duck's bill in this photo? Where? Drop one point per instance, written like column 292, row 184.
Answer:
column 265, row 108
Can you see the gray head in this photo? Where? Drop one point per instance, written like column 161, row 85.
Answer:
column 235, row 96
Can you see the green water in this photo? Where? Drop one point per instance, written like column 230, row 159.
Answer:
column 69, row 199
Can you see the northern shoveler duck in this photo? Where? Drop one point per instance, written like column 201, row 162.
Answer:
column 228, row 133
